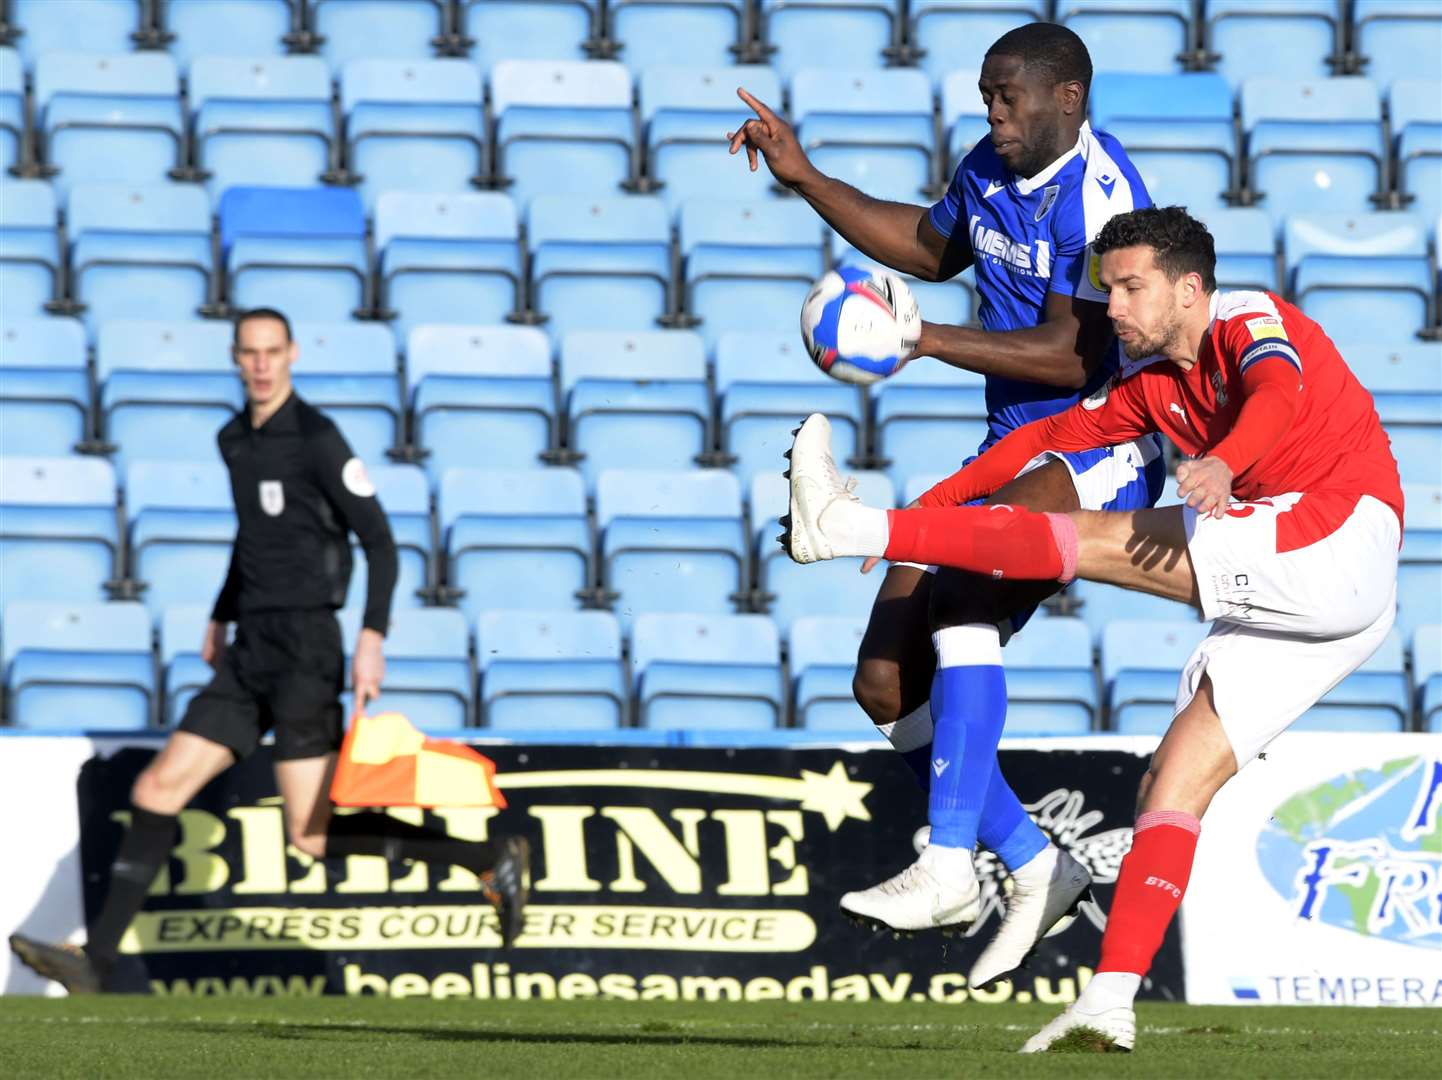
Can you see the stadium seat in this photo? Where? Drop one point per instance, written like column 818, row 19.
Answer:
column 515, row 540
column 1427, row 674
column 166, row 388
column 1416, row 108
column 843, row 33
column 1245, row 240
column 635, row 401
column 181, row 518
column 485, row 386
column 707, row 672
column 671, row 541
column 1419, row 567
column 821, row 650
column 182, row 672
column 929, row 416
column 59, row 533
column 1375, row 697
column 79, row 666
column 951, row 34
column 599, row 263
column 791, row 591
column 562, row 127
column 139, row 252
column 302, row 250
column 114, row 119
column 413, row 125
column 377, row 29
column 92, row 26
column 349, row 371
column 1142, row 662
column 1406, row 386
column 1101, row 605
column 405, row 496
column 232, row 28
column 871, row 128
column 44, row 387
column 550, row 671
column 1397, row 39
column 652, row 32
column 1051, row 687
column 29, row 247
column 12, row 109
column 1313, row 146
column 748, row 265
column 964, row 120
column 442, row 255
column 685, row 113
column 429, row 674
column 1148, row 36
column 528, row 29
column 1177, row 130
column 261, row 120
column 1288, row 39
column 1365, row 271
column 765, row 384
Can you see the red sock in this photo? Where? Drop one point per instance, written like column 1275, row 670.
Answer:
column 1149, row 889
column 999, row 540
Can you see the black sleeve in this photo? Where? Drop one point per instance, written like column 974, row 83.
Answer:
column 342, row 478
column 226, row 604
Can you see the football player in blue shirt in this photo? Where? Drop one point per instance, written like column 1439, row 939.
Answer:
column 1021, row 210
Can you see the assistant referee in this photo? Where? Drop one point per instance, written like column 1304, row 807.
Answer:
column 299, row 492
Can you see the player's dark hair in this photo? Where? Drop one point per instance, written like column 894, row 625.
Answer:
column 260, row 313
column 1180, row 243
column 1050, row 50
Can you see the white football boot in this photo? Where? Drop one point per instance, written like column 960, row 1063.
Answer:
column 917, row 899
column 1118, row 1024
column 816, row 487
column 1033, row 910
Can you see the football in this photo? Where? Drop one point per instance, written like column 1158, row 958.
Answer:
column 859, row 325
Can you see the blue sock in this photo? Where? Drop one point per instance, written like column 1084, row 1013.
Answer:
column 911, row 738
column 1006, row 828
column 968, row 709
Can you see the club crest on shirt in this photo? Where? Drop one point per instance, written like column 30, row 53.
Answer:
column 1219, row 388
column 272, row 497
column 1048, row 197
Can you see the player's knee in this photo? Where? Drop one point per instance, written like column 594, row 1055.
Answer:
column 158, row 791
column 877, row 689
column 308, row 843
column 1144, row 787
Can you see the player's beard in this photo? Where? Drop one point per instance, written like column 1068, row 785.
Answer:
column 1041, row 149
column 1140, row 347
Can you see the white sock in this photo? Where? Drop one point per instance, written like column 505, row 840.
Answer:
column 1037, row 871
column 953, row 866
column 853, row 529
column 1109, row 990
column 912, row 731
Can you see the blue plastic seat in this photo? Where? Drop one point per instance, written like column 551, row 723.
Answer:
column 635, row 401
column 79, row 666
column 261, row 120
column 181, row 528
column 1419, row 566
column 29, row 247
column 953, row 34
column 671, row 541
column 848, row 33
column 166, row 388
column 1101, row 605
column 1313, row 147
column 429, row 674
column 707, row 672
column 44, row 387
column 748, row 265
column 652, row 32
column 952, row 302
column 792, row 591
column 1427, row 674
column 302, row 250
column 405, row 496
column 413, row 125
column 963, row 115
column 821, row 650
column 551, row 670
column 59, row 534
column 481, row 385
column 871, row 128
column 563, row 127
column 1405, row 382
column 93, row 26
column 1148, row 36
column 1397, row 39
column 1178, row 133
column 183, row 673
column 377, row 29
column 1375, row 697
column 929, row 415
column 447, row 256
column 515, row 539
column 1141, row 665
column 528, row 29
column 1245, row 240
column 1051, row 687
column 1416, row 107
column 686, row 112
column 1290, row 39
column 1361, row 270
column 244, row 28
column 139, row 252
column 349, row 370
column 109, row 118
column 12, row 108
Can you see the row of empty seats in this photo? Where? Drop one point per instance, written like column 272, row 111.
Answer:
column 103, row 667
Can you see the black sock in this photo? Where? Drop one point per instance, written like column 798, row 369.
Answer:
column 374, row 833
column 143, row 851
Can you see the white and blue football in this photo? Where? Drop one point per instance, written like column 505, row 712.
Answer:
column 859, row 325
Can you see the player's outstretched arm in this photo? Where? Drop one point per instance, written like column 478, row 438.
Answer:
column 898, row 235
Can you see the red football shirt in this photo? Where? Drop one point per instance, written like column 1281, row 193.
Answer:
column 1334, row 450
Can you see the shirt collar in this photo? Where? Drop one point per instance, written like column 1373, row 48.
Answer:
column 1026, row 185
column 283, row 419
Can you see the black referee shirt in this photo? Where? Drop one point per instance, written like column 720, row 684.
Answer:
column 298, row 489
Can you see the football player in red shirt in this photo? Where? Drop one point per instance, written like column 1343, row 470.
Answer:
column 1299, row 576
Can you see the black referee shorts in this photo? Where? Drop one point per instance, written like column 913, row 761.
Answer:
column 285, row 670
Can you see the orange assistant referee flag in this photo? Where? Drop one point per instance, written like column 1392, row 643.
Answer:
column 385, row 761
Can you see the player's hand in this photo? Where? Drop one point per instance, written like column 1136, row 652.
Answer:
column 368, row 669
column 212, row 645
column 776, row 141
column 1205, row 485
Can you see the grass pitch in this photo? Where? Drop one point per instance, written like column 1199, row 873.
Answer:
column 158, row 1039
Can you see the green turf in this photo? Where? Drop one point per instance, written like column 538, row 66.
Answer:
column 158, row 1039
